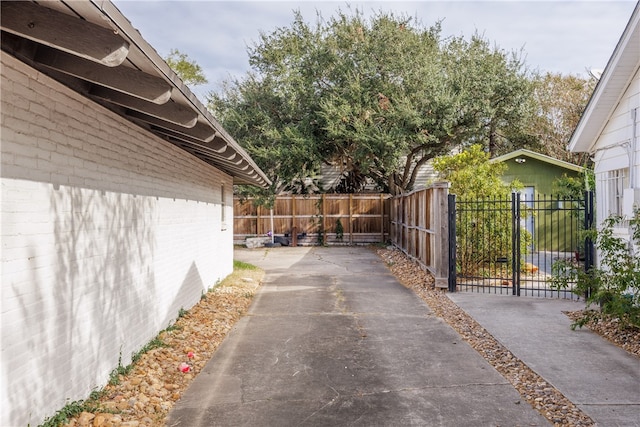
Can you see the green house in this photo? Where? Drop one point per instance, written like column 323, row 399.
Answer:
column 553, row 224
column 536, row 171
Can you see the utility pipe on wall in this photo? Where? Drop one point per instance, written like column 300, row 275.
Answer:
column 635, row 146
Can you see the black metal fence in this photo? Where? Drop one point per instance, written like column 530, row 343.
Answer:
column 508, row 245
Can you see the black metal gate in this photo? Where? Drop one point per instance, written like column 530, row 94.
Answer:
column 509, row 245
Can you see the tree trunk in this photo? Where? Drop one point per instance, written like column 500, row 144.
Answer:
column 493, row 140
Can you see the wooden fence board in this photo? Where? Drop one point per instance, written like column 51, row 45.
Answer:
column 418, row 226
column 364, row 217
column 415, row 222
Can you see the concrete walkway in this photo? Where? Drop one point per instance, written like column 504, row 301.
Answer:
column 333, row 339
column 600, row 378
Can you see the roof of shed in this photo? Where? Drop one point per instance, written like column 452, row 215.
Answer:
column 537, row 156
column 615, row 79
column 91, row 47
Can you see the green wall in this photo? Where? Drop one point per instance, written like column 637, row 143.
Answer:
column 535, row 173
column 555, row 229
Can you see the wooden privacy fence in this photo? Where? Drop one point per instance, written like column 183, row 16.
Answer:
column 364, row 218
column 415, row 222
column 419, row 227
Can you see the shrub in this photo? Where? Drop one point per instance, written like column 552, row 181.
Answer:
column 339, row 230
column 483, row 225
column 615, row 284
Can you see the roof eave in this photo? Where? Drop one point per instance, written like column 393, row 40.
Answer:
column 538, row 156
column 616, row 77
column 114, row 14
column 92, row 48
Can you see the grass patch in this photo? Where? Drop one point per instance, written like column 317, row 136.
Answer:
column 172, row 327
column 240, row 265
column 154, row 343
column 244, row 276
column 71, row 409
column 122, row 371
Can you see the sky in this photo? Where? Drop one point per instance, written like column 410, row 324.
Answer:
column 568, row 36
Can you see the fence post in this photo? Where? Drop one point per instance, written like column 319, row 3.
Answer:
column 515, row 242
column 440, row 238
column 403, row 216
column 323, row 229
column 381, row 218
column 350, row 228
column 451, row 215
column 293, row 217
column 588, row 243
column 392, row 219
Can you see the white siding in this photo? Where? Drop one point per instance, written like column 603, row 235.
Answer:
column 613, row 148
column 107, row 231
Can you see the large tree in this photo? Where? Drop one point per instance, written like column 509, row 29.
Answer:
column 497, row 93
column 376, row 98
column 560, row 101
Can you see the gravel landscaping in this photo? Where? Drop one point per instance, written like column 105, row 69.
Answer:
column 145, row 394
column 546, row 399
column 627, row 339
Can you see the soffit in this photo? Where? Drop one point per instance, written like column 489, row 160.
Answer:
column 91, row 47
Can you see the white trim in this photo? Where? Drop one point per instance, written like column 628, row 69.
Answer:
column 617, row 76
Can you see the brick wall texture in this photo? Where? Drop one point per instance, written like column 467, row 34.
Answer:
column 107, row 231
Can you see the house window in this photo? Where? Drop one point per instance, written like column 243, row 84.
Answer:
column 614, row 183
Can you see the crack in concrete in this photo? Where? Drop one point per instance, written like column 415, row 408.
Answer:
column 360, row 394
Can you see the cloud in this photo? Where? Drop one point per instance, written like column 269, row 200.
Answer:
column 559, row 36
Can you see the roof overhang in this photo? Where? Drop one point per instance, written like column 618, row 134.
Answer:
column 541, row 157
column 616, row 78
column 91, row 47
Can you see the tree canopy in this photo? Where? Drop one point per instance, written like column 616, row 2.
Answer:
column 375, row 98
column 472, row 175
column 560, row 101
column 188, row 70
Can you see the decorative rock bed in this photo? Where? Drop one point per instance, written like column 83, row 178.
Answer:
column 145, row 395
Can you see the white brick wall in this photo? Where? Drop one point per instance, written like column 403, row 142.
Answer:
column 107, row 231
